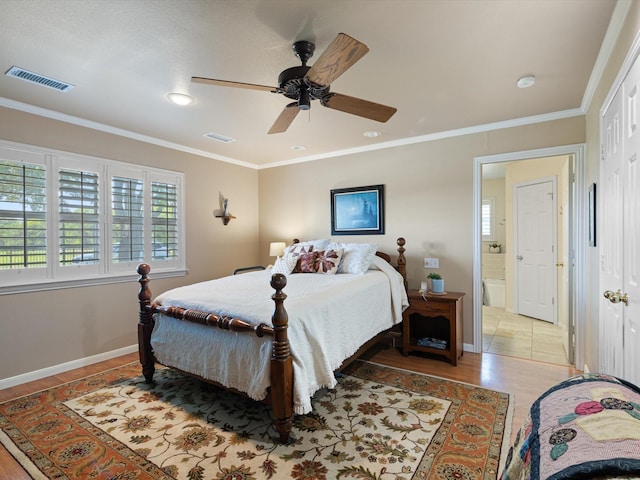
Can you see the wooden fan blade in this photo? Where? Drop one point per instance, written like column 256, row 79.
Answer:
column 285, row 118
column 226, row 83
column 336, row 59
column 357, row 106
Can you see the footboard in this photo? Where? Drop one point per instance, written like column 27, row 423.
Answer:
column 281, row 362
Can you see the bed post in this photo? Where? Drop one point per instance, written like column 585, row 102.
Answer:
column 145, row 324
column 402, row 262
column 281, row 363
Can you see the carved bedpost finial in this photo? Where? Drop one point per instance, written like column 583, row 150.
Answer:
column 280, row 318
column 402, row 261
column 144, row 295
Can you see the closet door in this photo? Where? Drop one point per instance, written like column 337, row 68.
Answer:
column 620, row 226
column 631, row 237
column 610, row 224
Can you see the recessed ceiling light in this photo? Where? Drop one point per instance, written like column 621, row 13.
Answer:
column 372, row 133
column 526, row 82
column 298, row 148
column 180, row 98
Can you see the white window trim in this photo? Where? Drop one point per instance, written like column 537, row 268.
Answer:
column 55, row 276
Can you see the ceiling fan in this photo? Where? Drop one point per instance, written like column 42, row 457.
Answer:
column 304, row 84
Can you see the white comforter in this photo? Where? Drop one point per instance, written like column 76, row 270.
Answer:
column 330, row 317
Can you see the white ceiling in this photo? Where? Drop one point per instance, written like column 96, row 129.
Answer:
column 444, row 64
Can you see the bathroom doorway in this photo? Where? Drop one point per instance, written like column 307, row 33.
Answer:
column 501, row 327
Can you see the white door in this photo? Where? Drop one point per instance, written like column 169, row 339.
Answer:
column 535, row 250
column 620, row 223
column 610, row 225
column 631, row 234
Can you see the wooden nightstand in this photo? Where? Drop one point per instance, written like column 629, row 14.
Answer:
column 438, row 316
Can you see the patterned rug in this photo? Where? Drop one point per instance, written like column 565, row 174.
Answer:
column 378, row 423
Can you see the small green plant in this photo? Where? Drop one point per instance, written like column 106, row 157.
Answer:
column 434, row 276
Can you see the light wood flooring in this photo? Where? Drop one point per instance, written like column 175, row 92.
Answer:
column 515, row 335
column 526, row 379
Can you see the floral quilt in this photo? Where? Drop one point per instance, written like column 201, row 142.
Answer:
column 585, row 427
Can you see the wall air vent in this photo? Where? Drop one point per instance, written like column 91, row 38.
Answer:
column 22, row 74
column 219, row 138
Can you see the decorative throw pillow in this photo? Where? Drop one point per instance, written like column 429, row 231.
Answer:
column 327, row 261
column 285, row 264
column 306, row 262
column 357, row 257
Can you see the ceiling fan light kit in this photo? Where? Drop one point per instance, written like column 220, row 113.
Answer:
column 305, row 84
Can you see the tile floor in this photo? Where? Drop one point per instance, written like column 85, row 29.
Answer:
column 515, row 335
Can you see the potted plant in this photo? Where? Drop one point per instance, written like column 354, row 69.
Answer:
column 495, row 248
column 437, row 283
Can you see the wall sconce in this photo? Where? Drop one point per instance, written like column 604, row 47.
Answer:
column 276, row 249
column 223, row 212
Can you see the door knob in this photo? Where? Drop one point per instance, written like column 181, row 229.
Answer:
column 519, row 257
column 616, row 297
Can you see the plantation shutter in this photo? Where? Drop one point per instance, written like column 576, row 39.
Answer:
column 23, row 215
column 164, row 221
column 79, row 217
column 127, row 219
column 488, row 219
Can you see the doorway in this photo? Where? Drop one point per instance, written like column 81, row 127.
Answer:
column 568, row 253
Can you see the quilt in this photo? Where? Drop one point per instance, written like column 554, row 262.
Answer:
column 585, row 427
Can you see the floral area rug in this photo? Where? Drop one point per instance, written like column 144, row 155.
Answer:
column 378, row 423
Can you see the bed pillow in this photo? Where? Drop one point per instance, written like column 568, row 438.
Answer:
column 285, row 264
column 320, row 244
column 297, row 249
column 357, row 257
column 327, row 261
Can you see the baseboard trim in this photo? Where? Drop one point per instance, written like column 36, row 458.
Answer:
column 65, row 367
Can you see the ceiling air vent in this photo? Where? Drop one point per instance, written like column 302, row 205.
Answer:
column 22, row 74
column 219, row 138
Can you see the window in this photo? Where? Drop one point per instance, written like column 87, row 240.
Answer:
column 488, row 219
column 23, row 213
column 68, row 219
column 79, row 215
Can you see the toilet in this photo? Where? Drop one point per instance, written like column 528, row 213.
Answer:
column 494, row 292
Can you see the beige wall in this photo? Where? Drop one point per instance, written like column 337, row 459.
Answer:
column 429, row 197
column 39, row 330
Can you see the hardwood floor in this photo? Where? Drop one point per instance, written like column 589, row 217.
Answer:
column 526, row 379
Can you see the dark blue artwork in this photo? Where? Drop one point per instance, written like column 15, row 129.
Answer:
column 357, row 211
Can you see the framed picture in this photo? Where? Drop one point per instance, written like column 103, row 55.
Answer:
column 592, row 215
column 357, row 211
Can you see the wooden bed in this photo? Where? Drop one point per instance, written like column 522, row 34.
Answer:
column 281, row 389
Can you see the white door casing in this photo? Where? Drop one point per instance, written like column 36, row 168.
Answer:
column 535, row 207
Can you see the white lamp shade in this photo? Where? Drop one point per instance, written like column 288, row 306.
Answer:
column 276, row 249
